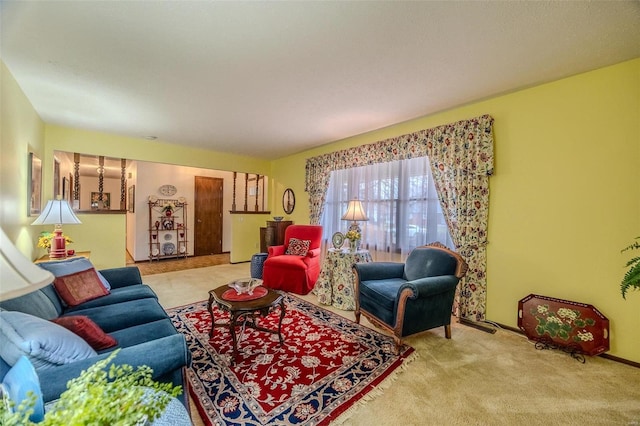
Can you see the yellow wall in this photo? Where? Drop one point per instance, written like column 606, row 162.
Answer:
column 565, row 195
column 245, row 235
column 22, row 131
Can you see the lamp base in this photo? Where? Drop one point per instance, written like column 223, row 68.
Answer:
column 58, row 245
column 355, row 227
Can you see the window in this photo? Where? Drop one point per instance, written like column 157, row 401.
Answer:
column 400, row 200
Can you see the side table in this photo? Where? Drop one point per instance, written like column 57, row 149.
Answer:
column 77, row 255
column 335, row 285
column 245, row 313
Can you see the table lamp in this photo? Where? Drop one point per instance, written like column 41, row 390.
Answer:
column 18, row 275
column 57, row 213
column 355, row 213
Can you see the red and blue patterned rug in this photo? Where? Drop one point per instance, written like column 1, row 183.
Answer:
column 326, row 365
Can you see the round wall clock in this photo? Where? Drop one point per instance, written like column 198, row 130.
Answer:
column 168, row 190
column 288, row 201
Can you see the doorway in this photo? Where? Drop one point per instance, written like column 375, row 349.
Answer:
column 208, row 197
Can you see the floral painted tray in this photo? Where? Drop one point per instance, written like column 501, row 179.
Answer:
column 571, row 325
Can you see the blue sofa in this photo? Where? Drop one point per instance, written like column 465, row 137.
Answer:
column 130, row 313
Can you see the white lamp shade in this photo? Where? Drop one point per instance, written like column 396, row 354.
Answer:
column 18, row 275
column 355, row 212
column 57, row 212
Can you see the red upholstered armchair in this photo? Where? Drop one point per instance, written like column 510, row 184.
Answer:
column 294, row 266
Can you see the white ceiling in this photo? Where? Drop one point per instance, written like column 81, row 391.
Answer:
column 268, row 79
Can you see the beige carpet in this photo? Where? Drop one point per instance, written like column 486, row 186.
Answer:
column 476, row 378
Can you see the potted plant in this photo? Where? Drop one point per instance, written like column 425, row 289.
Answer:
column 631, row 279
column 118, row 395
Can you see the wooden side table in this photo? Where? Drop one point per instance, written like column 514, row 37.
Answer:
column 77, row 255
column 335, row 285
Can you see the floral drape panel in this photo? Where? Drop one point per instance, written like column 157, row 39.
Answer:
column 461, row 156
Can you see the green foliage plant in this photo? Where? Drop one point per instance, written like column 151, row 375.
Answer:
column 118, row 396
column 632, row 277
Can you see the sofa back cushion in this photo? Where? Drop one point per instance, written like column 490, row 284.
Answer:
column 60, row 268
column 429, row 262
column 43, row 303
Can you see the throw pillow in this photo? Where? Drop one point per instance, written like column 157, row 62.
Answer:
column 298, row 247
column 87, row 329
column 60, row 268
column 80, row 287
column 45, row 344
column 21, row 381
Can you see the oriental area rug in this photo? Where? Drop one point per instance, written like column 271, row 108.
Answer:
column 327, row 366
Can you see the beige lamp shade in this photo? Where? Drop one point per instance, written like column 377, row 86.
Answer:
column 57, row 212
column 355, row 212
column 18, row 275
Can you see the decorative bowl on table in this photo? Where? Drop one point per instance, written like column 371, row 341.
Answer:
column 278, row 218
column 245, row 285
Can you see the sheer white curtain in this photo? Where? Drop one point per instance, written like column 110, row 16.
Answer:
column 401, row 203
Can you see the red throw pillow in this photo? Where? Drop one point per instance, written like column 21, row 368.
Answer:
column 88, row 330
column 298, row 247
column 80, row 287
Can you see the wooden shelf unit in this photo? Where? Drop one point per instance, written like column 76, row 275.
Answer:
column 167, row 234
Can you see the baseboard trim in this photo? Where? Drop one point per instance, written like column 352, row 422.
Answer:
column 606, row 356
column 477, row 325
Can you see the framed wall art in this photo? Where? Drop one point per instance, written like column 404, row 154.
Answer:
column 131, row 200
column 95, row 201
column 66, row 189
column 35, row 185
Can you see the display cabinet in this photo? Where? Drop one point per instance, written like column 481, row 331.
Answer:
column 273, row 233
column 167, row 228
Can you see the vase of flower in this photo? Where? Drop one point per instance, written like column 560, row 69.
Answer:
column 354, row 239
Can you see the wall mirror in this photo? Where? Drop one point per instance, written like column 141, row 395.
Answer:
column 288, row 201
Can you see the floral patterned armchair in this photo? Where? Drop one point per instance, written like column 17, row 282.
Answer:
column 411, row 297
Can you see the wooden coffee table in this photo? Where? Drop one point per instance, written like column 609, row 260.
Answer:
column 245, row 312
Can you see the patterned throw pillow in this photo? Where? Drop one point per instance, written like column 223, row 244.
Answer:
column 87, row 329
column 79, row 287
column 298, row 247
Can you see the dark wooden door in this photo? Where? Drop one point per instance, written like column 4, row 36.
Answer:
column 207, row 216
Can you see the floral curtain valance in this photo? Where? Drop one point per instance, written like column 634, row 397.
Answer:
column 474, row 135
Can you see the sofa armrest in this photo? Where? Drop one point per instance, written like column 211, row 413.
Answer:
column 314, row 252
column 430, row 286
column 379, row 270
column 275, row 251
column 162, row 355
column 122, row 277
